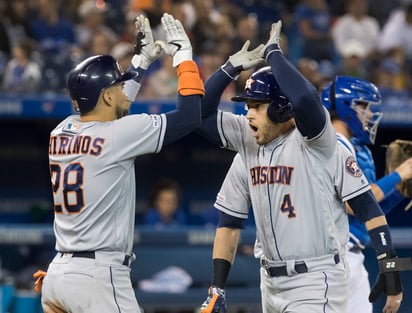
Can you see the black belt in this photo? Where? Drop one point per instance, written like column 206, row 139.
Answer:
column 300, row 267
column 92, row 255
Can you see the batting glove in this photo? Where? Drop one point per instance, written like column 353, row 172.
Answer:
column 146, row 50
column 273, row 43
column 39, row 276
column 215, row 302
column 178, row 43
column 243, row 60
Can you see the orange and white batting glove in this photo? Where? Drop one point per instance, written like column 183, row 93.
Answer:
column 39, row 276
column 215, row 302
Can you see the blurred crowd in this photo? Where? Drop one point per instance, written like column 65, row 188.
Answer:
column 41, row 40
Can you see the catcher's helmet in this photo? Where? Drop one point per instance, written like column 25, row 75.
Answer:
column 262, row 86
column 356, row 102
column 89, row 78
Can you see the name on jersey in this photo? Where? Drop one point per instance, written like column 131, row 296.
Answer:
column 63, row 145
column 271, row 175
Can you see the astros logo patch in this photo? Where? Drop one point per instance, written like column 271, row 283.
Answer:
column 352, row 167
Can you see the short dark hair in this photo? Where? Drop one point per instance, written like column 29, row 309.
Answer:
column 164, row 183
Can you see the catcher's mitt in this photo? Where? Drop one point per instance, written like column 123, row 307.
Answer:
column 397, row 152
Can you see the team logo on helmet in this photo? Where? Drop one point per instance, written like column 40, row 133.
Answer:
column 248, row 84
column 352, row 166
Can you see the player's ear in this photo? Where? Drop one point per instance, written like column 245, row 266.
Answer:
column 75, row 105
column 108, row 97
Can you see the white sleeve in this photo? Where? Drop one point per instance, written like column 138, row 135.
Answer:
column 138, row 134
column 234, row 130
column 349, row 180
column 233, row 197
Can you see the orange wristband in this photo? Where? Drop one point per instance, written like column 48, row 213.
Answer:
column 189, row 82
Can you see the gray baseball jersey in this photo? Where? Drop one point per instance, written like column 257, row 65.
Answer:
column 100, row 193
column 293, row 185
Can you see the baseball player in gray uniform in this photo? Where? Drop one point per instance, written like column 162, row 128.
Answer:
column 92, row 171
column 289, row 148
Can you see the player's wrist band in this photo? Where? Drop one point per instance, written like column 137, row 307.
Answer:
column 382, row 242
column 270, row 49
column 140, row 72
column 221, row 268
column 389, row 182
column 231, row 71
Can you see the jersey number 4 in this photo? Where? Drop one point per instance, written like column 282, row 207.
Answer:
column 287, row 206
column 67, row 184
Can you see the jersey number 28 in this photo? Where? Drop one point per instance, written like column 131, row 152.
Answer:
column 67, row 184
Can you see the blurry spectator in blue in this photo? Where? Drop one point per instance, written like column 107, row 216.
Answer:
column 22, row 74
column 314, row 22
column 390, row 80
column 265, row 10
column 56, row 41
column 357, row 25
column 54, row 34
column 164, row 203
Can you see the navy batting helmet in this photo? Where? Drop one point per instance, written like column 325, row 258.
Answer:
column 356, row 102
column 262, row 86
column 89, row 78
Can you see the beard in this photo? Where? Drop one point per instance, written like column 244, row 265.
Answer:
column 121, row 112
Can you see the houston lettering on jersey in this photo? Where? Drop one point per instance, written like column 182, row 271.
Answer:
column 63, row 145
column 271, row 174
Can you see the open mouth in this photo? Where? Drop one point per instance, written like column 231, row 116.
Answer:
column 254, row 129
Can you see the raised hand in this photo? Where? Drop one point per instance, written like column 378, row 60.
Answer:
column 273, row 44
column 146, row 50
column 178, row 44
column 243, row 60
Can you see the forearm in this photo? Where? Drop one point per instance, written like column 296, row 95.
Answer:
column 183, row 120
column 187, row 116
column 376, row 222
column 377, row 192
column 309, row 114
column 225, row 244
column 385, row 185
column 380, row 235
column 214, row 87
column 368, row 211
